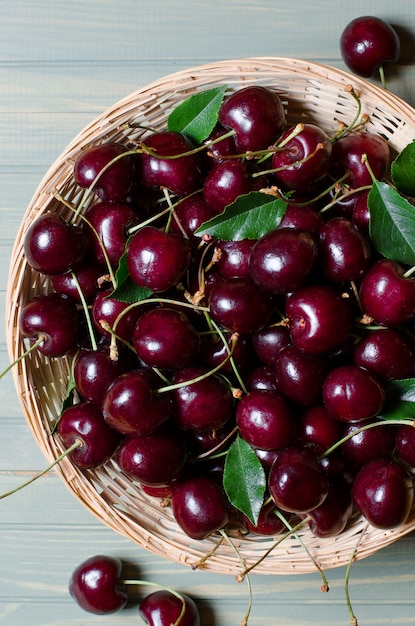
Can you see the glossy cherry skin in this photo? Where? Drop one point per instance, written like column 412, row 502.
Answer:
column 96, row 585
column 234, row 258
column 383, row 492
column 268, row 523
column 304, row 158
column 257, row 116
column 347, row 158
column 156, row 259
column 319, row 318
column 163, row 608
column 368, row 42
column 386, row 295
column 87, row 276
column 405, row 444
column 239, row 305
column 368, row 444
column 115, row 182
column 94, row 371
column 203, row 405
column 199, row 506
column 331, row 517
column 344, row 253
column 266, row 420
column 108, row 225
column 165, row 338
column 387, row 352
column 318, row 429
column 224, row 183
column 113, row 313
column 130, row 407
column 302, row 217
column 352, row 394
column 54, row 318
column 297, row 482
column 282, row 260
column 180, row 175
column 269, row 341
column 85, row 422
column 52, row 245
column 154, row 459
column 189, row 214
column 299, row 376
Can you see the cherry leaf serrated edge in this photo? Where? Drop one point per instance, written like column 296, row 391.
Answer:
column 400, row 400
column 392, row 223
column 250, row 216
column 402, row 170
column 197, row 116
column 244, row 479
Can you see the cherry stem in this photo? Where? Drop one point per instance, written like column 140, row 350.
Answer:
column 78, row 443
column 353, row 619
column 274, row 545
column 207, row 556
column 104, row 251
column 409, row 272
column 26, row 353
column 386, row 422
column 248, row 582
column 205, row 375
column 230, row 354
column 318, row 147
column 343, row 196
column 147, row 583
column 382, row 76
column 86, row 311
column 325, row 585
column 349, row 89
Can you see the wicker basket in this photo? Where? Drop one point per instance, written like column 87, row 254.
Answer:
column 310, row 92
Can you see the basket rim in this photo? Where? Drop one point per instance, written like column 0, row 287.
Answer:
column 84, row 490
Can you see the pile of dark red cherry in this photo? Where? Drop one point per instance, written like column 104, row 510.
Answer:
column 287, row 340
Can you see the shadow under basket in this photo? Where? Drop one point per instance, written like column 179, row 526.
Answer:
column 310, row 92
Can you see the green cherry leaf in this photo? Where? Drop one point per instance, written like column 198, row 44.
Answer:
column 250, row 216
column 392, row 223
column 244, row 479
column 197, row 116
column 126, row 290
column 400, row 402
column 402, row 170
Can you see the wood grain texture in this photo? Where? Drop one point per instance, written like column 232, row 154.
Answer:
column 61, row 64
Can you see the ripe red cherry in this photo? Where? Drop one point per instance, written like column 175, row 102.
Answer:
column 94, row 371
column 156, row 259
column 319, row 318
column 87, row 276
column 163, row 608
column 111, row 222
column 386, row 295
column 344, row 252
column 85, row 422
column 52, row 245
column 129, row 405
column 239, row 305
column 282, row 260
column 180, row 175
column 203, row 405
column 367, row 43
column 297, row 482
column 234, row 258
column 115, row 182
column 189, row 214
column 266, row 420
column 164, row 338
column 299, row 376
column 387, row 352
column 347, row 158
column 383, row 492
column 199, row 506
column 368, row 444
column 268, row 523
column 318, row 429
column 224, row 183
column 111, row 311
column 331, row 517
column 96, row 585
column 154, row 459
column 304, row 158
column 352, row 394
column 257, row 116
column 54, row 318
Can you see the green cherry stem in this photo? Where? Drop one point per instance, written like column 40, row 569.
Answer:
column 246, row 578
column 352, row 617
column 382, row 76
column 147, row 583
column 77, row 443
column 26, row 353
column 325, row 586
column 86, row 312
column 385, row 422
